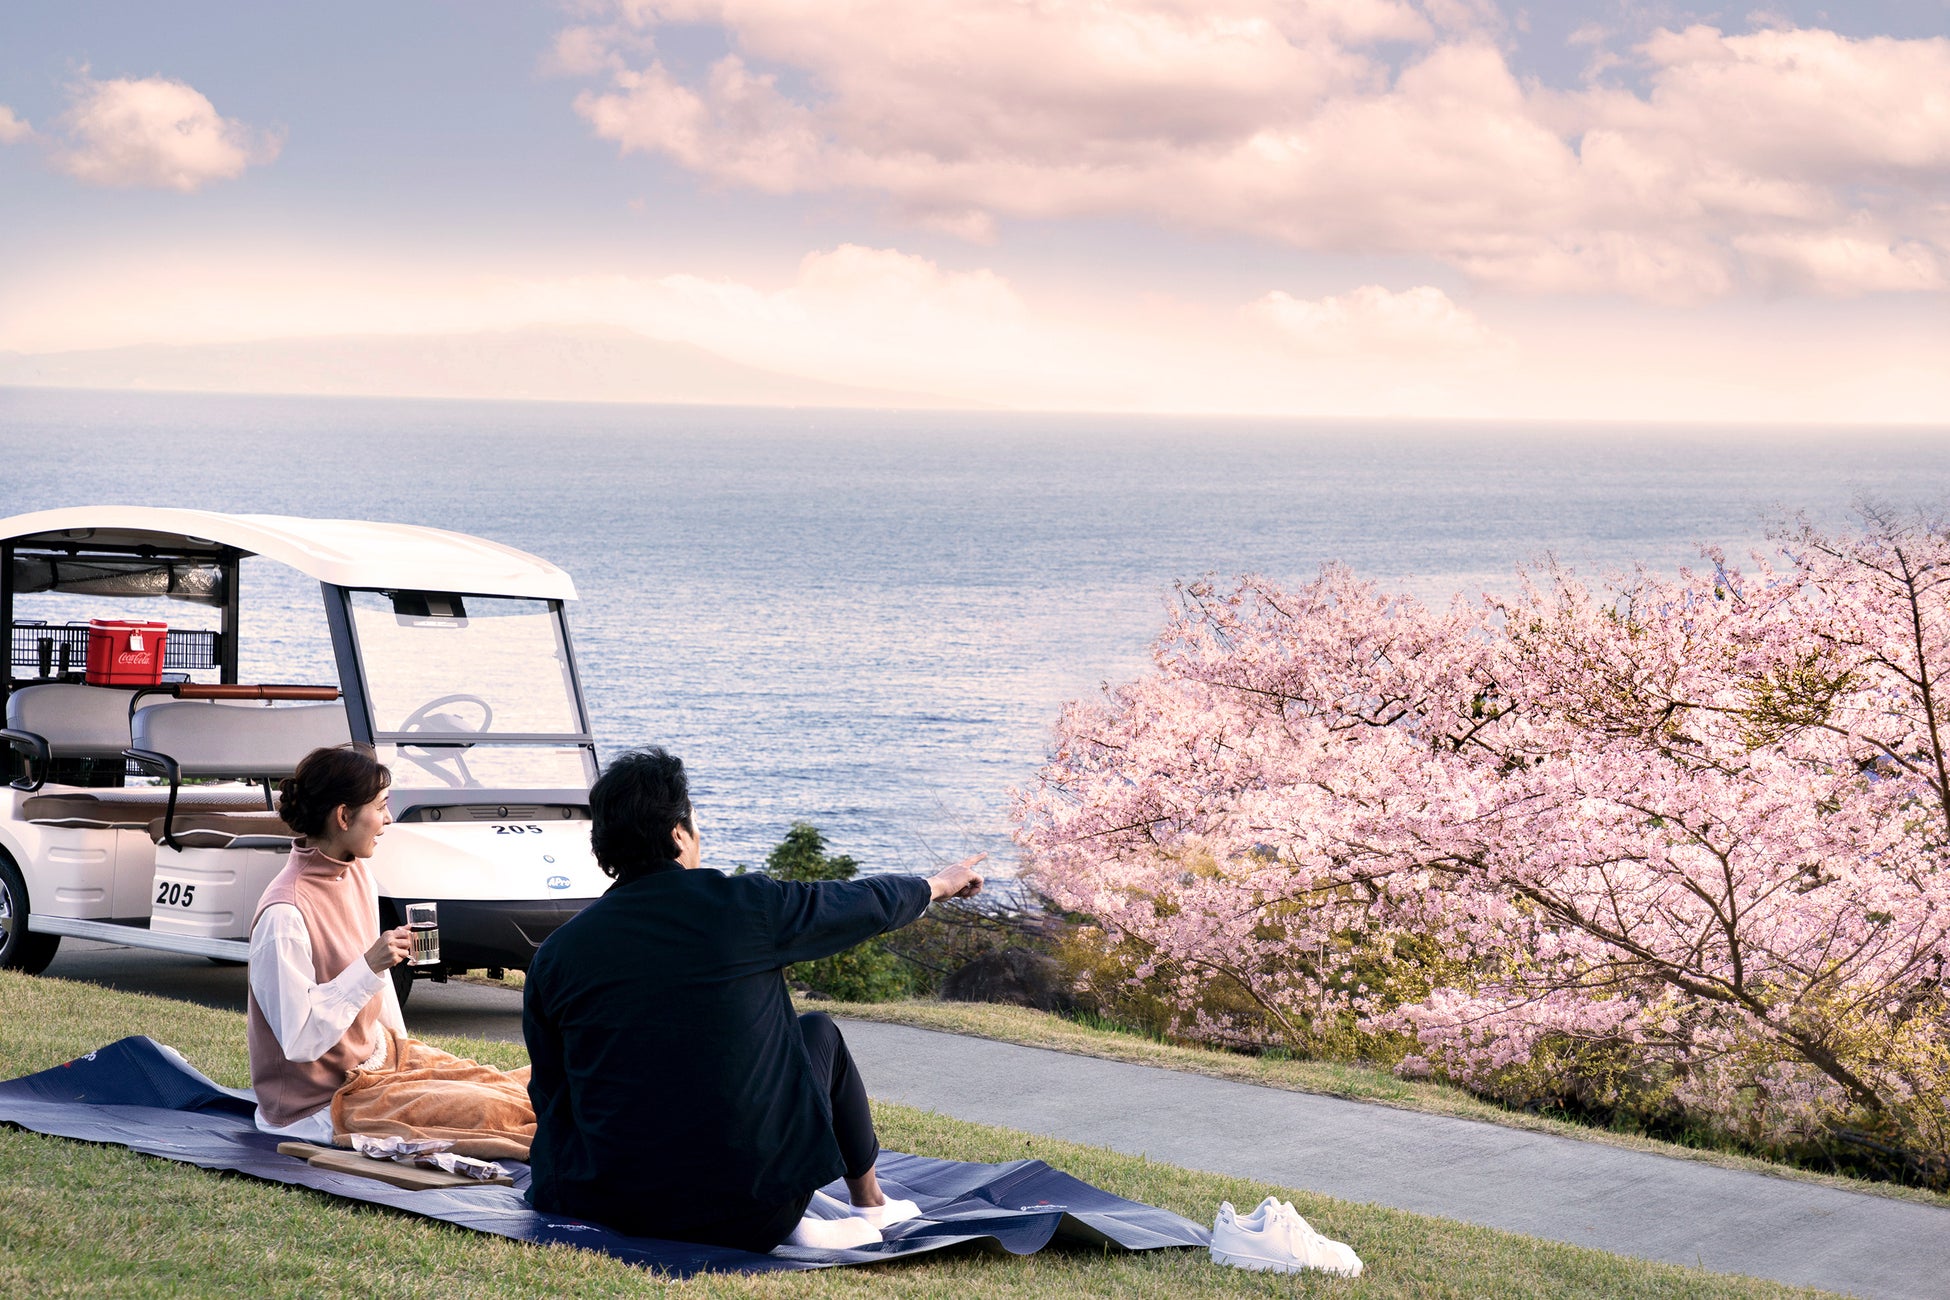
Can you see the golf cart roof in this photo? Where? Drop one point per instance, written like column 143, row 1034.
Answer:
column 343, row 552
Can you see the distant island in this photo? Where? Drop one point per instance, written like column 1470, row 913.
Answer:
column 579, row 364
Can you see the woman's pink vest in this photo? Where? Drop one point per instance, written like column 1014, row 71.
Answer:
column 341, row 909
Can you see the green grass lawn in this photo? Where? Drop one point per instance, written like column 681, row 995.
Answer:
column 84, row 1220
column 1330, row 1078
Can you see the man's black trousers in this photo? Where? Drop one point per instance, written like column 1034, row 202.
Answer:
column 833, row 1068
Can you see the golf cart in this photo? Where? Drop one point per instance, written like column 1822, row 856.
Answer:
column 139, row 806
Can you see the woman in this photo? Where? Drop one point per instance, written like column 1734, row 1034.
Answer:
column 321, row 1002
column 329, row 1051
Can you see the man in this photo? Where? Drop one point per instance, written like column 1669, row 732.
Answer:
column 676, row 1094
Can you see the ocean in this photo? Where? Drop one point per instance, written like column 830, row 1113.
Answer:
column 868, row 620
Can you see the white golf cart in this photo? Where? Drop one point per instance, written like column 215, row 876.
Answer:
column 144, row 814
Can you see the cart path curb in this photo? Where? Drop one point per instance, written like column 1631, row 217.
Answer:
column 1585, row 1193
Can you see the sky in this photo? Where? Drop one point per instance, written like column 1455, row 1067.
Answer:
column 1591, row 209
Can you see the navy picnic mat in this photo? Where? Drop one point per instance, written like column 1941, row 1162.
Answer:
column 142, row 1095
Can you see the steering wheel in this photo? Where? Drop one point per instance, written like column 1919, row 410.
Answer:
column 419, row 720
column 420, row 717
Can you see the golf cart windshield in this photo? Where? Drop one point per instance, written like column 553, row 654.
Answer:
column 470, row 690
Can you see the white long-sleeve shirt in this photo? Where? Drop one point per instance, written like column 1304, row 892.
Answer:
column 307, row 1018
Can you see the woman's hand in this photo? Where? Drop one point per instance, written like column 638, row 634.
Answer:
column 390, row 949
column 958, row 881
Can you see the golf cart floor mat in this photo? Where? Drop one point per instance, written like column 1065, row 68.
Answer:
column 139, row 1094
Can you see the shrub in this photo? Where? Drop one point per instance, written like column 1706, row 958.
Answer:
column 867, row 972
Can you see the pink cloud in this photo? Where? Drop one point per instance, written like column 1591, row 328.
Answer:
column 154, row 133
column 1750, row 162
column 13, row 129
column 1374, row 321
column 1807, row 105
column 583, row 52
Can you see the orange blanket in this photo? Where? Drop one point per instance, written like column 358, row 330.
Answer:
column 423, row 1092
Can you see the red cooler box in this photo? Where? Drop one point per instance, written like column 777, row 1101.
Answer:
column 125, row 654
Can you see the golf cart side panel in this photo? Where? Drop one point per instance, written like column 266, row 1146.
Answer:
column 95, row 873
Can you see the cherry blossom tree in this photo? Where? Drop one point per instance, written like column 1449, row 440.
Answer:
column 1696, row 826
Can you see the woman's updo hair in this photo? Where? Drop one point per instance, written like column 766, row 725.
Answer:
column 347, row 774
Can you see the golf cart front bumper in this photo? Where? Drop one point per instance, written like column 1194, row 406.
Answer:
column 476, row 934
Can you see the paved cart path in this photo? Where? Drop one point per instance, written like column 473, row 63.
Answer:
column 1627, row 1202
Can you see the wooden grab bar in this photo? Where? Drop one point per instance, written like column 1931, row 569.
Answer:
column 235, row 691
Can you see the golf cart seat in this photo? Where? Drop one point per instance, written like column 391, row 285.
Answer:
column 256, row 829
column 132, row 808
column 66, row 720
column 187, row 738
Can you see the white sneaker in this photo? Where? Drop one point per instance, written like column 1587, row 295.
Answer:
column 886, row 1216
column 831, row 1225
column 1275, row 1239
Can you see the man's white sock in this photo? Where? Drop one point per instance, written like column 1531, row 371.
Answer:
column 886, row 1216
column 833, row 1234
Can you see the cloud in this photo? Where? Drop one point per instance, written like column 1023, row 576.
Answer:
column 154, row 133
column 928, row 102
column 1839, row 262
column 1371, row 320
column 13, row 129
column 590, row 51
column 1354, row 126
column 1602, row 60
column 874, row 317
column 1802, row 104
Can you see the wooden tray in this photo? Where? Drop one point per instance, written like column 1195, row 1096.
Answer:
column 412, row 1178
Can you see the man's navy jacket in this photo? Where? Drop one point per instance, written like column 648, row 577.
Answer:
column 670, row 1083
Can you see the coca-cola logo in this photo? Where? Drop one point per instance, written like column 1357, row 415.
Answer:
column 131, row 657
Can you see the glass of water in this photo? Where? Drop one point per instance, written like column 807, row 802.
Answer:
column 423, row 919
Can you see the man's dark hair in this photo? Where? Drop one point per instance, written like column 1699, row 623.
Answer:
column 641, row 797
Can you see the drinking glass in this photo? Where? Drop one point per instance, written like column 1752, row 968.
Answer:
column 423, row 919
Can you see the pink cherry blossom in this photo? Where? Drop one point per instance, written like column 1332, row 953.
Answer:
column 1700, row 823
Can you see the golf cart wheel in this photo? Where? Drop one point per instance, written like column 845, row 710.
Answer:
column 402, row 983
column 19, row 949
